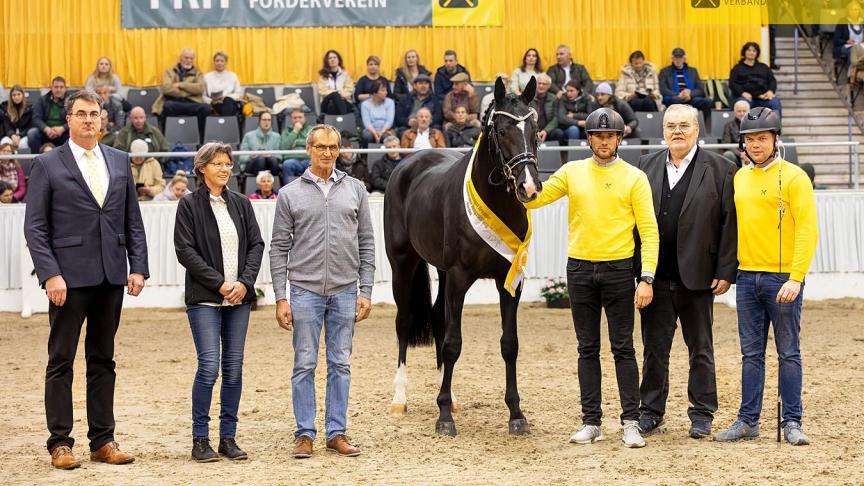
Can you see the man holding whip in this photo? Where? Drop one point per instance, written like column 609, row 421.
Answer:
column 770, row 193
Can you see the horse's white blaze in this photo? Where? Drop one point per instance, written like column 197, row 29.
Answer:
column 401, row 384
column 521, row 126
column 529, row 184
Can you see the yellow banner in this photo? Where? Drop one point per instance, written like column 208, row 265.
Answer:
column 466, row 13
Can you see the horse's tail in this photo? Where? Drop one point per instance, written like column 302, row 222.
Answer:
column 421, row 307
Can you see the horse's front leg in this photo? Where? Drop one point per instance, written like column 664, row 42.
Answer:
column 518, row 425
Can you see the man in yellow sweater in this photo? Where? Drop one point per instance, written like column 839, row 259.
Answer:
column 607, row 198
column 777, row 235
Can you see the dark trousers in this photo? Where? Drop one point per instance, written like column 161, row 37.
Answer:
column 604, row 285
column 227, row 107
column 183, row 107
column 100, row 306
column 335, row 104
column 672, row 301
column 643, row 103
column 256, row 164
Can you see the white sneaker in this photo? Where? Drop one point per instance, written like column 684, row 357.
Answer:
column 632, row 438
column 587, row 434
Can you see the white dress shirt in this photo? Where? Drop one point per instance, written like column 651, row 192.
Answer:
column 422, row 140
column 81, row 162
column 674, row 174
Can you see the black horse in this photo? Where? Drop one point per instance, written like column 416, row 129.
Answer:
column 425, row 222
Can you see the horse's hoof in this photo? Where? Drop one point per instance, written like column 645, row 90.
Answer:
column 445, row 428
column 398, row 409
column 519, row 427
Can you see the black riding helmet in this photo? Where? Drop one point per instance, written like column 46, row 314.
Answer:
column 760, row 119
column 604, row 120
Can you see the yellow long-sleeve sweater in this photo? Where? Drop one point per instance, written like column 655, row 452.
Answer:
column 757, row 203
column 605, row 203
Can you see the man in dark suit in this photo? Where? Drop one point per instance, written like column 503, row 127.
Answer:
column 693, row 201
column 82, row 223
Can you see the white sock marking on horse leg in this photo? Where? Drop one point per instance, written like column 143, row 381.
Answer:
column 401, row 384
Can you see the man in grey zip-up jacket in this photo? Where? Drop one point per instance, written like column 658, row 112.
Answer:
column 323, row 224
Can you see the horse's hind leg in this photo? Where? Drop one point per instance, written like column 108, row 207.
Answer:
column 438, row 323
column 404, row 287
column 518, row 425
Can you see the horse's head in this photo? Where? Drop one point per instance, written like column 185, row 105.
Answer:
column 512, row 129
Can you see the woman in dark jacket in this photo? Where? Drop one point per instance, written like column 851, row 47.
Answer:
column 573, row 109
column 218, row 241
column 406, row 73
column 16, row 116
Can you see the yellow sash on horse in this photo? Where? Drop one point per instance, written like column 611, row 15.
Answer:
column 494, row 232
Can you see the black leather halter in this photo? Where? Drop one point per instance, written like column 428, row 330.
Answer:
column 508, row 168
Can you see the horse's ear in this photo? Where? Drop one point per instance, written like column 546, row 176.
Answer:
column 500, row 90
column 529, row 91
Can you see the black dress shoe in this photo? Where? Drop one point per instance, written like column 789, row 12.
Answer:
column 202, row 452
column 649, row 424
column 700, row 429
column 228, row 448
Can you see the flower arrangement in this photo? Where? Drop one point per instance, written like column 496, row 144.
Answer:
column 555, row 292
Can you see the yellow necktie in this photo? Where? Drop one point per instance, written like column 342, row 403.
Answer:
column 94, row 178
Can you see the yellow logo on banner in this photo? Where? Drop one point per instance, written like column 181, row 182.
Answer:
column 466, row 12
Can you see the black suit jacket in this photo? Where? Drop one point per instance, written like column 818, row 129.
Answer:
column 707, row 228
column 68, row 233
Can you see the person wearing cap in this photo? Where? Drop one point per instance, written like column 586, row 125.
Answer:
column 546, row 105
column 461, row 95
column 607, row 199
column 777, row 235
column 146, row 171
column 695, row 210
column 444, row 75
column 604, row 98
column 420, row 97
column 680, row 83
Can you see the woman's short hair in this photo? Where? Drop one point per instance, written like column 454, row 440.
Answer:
column 389, row 138
column 748, row 45
column 220, row 53
column 378, row 84
column 264, row 174
column 207, row 153
column 180, row 176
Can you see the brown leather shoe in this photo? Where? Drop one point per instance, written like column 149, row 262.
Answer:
column 302, row 447
column 62, row 458
column 341, row 444
column 111, row 454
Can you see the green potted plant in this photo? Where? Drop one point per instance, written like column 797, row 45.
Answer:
column 259, row 294
column 555, row 293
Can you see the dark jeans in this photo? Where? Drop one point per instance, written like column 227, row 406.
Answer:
column 695, row 308
column 756, row 298
column 100, row 306
column 183, row 107
column 256, row 164
column 212, row 326
column 643, row 103
column 604, row 285
column 228, row 107
column 335, row 104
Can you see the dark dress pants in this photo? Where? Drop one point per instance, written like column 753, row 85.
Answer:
column 100, row 307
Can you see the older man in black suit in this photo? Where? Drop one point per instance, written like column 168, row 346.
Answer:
column 82, row 224
column 695, row 209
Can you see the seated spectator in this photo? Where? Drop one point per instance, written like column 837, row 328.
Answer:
column 11, row 171
column 754, row 81
column 680, row 83
column 810, row 170
column 262, row 138
column 489, row 98
column 352, row 163
column 531, row 66
column 573, row 108
column 638, row 84
column 730, row 132
column 848, row 38
column 420, row 97
column 114, row 108
column 335, row 86
column 223, row 91
column 16, row 117
column 444, row 75
column 146, row 172
column 546, row 105
column 565, row 70
column 139, row 129
column 461, row 95
column 105, row 136
column 264, row 180
column 378, row 113
column 407, row 73
column 6, row 193
column 294, row 138
column 177, row 188
column 461, row 133
column 46, row 147
column 104, row 74
column 182, row 91
column 603, row 98
column 49, row 117
column 384, row 167
column 423, row 136
column 363, row 89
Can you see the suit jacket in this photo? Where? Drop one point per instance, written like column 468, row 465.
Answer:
column 707, row 228
column 68, row 233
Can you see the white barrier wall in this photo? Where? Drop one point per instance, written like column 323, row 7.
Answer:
column 837, row 270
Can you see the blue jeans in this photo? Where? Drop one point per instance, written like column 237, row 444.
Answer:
column 573, row 132
column 336, row 313
column 294, row 167
column 756, row 298
column 756, row 103
column 210, row 325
